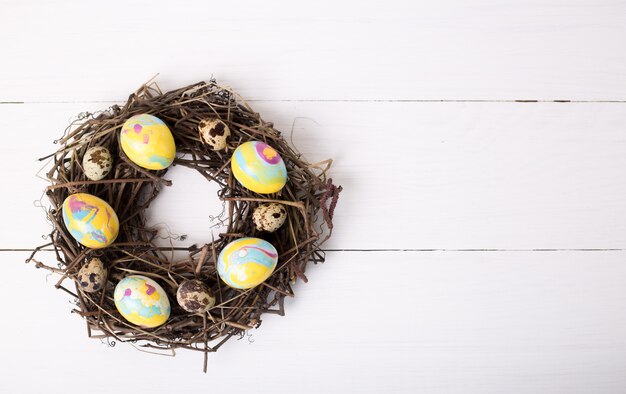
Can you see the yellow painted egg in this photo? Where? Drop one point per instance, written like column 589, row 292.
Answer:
column 142, row 301
column 90, row 220
column 246, row 262
column 148, row 142
column 258, row 167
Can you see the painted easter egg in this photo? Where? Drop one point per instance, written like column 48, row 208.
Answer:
column 148, row 142
column 90, row 220
column 258, row 167
column 246, row 262
column 141, row 301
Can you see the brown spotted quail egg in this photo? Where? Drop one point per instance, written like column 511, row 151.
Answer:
column 97, row 162
column 214, row 132
column 91, row 276
column 194, row 296
column 269, row 217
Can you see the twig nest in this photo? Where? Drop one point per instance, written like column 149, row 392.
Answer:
column 91, row 276
column 269, row 217
column 131, row 305
column 97, row 163
column 194, row 296
column 214, row 132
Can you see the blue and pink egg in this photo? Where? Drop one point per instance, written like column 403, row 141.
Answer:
column 142, row 301
column 148, row 142
column 90, row 220
column 246, row 262
column 259, row 167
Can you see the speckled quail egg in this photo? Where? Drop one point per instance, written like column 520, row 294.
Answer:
column 194, row 296
column 97, row 162
column 91, row 276
column 269, row 217
column 214, row 132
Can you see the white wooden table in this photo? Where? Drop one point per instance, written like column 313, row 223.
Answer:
column 500, row 208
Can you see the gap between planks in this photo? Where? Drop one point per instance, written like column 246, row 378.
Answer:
column 352, row 101
column 421, row 250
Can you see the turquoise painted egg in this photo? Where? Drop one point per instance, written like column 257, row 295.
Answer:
column 148, row 142
column 246, row 262
column 258, row 167
column 142, row 301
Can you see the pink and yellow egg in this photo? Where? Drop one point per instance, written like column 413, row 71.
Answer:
column 148, row 142
column 90, row 220
column 259, row 167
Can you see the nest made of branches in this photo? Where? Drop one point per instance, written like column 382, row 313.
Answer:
column 309, row 197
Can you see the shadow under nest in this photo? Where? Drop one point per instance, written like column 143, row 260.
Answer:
column 309, row 197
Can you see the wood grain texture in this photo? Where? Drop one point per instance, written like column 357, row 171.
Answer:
column 368, row 322
column 280, row 50
column 446, row 175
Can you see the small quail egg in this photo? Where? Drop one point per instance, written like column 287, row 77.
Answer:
column 269, row 217
column 97, row 162
column 92, row 275
column 194, row 296
column 214, row 132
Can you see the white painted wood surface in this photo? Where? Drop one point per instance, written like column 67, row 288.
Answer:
column 460, row 322
column 470, row 175
column 415, row 101
column 372, row 50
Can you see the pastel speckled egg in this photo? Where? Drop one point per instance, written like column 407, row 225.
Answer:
column 141, row 301
column 92, row 275
column 90, row 220
column 258, row 167
column 269, row 217
column 195, row 296
column 148, row 142
column 97, row 162
column 246, row 262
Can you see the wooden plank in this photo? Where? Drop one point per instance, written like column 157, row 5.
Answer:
column 416, row 175
column 441, row 322
column 350, row 50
